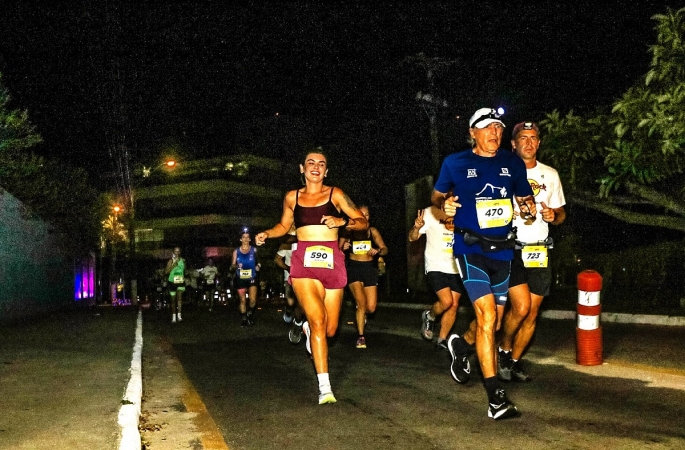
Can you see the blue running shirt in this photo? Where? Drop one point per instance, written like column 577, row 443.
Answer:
column 485, row 187
column 247, row 263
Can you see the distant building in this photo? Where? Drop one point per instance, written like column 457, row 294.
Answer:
column 202, row 205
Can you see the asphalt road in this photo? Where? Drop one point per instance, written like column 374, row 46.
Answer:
column 261, row 390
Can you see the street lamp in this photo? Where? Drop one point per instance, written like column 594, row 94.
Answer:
column 169, row 164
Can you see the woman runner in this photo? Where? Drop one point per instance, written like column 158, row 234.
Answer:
column 317, row 270
column 362, row 271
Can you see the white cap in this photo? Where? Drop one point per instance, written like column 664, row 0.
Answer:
column 484, row 117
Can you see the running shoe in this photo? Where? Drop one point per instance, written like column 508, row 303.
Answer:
column 250, row 319
column 287, row 316
column 307, row 333
column 441, row 344
column 327, row 397
column 518, row 374
column 173, row 318
column 504, row 364
column 500, row 407
column 460, row 367
column 295, row 334
column 427, row 326
column 244, row 322
column 361, row 342
column 179, row 317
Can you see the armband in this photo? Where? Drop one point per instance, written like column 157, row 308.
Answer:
column 347, row 221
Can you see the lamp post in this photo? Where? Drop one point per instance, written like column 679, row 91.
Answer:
column 430, row 100
column 114, row 233
column 168, row 165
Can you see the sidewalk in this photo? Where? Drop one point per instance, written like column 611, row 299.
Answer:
column 62, row 379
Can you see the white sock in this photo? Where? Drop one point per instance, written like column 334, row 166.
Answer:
column 504, row 351
column 431, row 316
column 324, row 383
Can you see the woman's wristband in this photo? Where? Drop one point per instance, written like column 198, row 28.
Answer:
column 347, row 221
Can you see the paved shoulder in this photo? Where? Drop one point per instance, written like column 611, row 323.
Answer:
column 173, row 416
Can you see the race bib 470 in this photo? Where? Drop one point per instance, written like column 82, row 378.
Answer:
column 494, row 213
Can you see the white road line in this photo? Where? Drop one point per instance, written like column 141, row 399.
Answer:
column 129, row 413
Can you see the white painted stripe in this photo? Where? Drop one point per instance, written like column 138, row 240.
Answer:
column 129, row 413
column 586, row 298
column 588, row 322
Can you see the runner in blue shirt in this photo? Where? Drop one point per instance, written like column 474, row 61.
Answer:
column 478, row 188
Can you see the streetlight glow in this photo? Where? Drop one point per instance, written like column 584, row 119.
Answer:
column 168, row 164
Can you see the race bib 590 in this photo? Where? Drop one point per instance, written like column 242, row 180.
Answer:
column 318, row 256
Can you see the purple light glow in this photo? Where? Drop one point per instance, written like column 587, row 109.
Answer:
column 84, row 278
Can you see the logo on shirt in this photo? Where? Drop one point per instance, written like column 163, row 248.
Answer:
column 505, row 172
column 448, row 223
column 471, row 173
column 490, row 191
column 536, row 187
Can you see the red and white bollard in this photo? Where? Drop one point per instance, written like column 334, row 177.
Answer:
column 588, row 330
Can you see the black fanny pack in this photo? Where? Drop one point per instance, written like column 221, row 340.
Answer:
column 490, row 243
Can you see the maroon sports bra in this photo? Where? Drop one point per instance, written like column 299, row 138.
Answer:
column 311, row 215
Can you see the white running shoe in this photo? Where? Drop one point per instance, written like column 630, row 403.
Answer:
column 327, row 397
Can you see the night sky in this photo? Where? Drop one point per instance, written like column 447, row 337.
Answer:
column 196, row 72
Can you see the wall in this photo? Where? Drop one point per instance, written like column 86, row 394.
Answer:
column 35, row 277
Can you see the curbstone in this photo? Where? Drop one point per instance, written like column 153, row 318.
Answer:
column 129, row 413
column 646, row 319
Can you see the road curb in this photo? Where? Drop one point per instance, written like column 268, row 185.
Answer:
column 129, row 413
column 607, row 317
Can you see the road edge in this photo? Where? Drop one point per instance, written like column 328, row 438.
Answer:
column 608, row 317
column 129, row 413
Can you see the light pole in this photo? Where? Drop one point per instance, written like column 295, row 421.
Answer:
column 429, row 100
column 113, row 233
column 168, row 164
